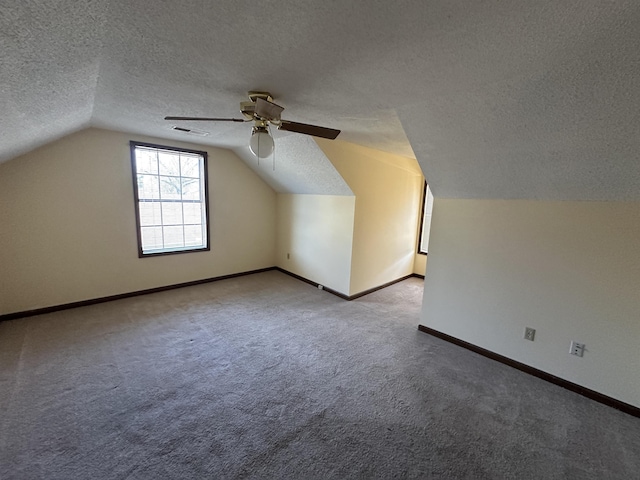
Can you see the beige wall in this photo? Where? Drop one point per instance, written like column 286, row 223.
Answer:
column 68, row 229
column 420, row 264
column 387, row 189
column 317, row 233
column 571, row 270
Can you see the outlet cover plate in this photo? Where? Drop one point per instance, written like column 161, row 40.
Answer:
column 529, row 333
column 577, row 349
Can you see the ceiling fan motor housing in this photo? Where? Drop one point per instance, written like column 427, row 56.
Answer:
column 253, row 95
column 248, row 109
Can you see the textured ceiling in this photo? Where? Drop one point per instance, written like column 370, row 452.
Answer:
column 498, row 99
column 298, row 166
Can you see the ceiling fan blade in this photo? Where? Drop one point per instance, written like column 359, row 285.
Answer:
column 207, row 119
column 268, row 110
column 306, row 129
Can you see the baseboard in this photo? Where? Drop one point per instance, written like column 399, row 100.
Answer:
column 342, row 295
column 93, row 301
column 311, row 282
column 574, row 387
column 388, row 284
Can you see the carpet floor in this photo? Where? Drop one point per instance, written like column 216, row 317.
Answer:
column 266, row 377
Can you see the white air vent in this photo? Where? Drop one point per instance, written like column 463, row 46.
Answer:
column 190, row 131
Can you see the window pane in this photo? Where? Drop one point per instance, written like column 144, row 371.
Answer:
column 426, row 221
column 151, row 238
column 173, row 237
column 146, row 161
column 193, row 236
column 169, row 163
column 171, row 188
column 150, row 213
column 148, row 188
column 192, row 213
column 190, row 189
column 190, row 166
column 171, row 213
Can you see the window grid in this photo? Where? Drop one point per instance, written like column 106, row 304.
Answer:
column 155, row 170
column 160, row 197
column 181, row 195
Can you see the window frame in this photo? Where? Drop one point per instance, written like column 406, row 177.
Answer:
column 205, row 172
column 422, row 212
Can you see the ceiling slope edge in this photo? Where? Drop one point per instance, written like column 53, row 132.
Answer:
column 350, row 158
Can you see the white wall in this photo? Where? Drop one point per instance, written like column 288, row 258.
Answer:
column 387, row 189
column 571, row 270
column 317, row 233
column 68, row 231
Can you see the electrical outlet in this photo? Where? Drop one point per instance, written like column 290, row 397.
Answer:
column 577, row 349
column 529, row 333
column 288, row 256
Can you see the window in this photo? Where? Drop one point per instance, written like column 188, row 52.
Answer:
column 425, row 222
column 170, row 191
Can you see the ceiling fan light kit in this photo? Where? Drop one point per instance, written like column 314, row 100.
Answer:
column 263, row 112
column 261, row 143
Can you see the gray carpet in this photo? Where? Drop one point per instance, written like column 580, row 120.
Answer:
column 266, row 377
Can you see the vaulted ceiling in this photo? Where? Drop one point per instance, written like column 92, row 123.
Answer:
column 496, row 99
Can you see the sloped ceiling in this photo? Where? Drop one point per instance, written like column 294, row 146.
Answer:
column 298, row 166
column 50, row 60
column 496, row 99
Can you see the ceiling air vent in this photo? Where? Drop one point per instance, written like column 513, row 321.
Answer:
column 190, row 131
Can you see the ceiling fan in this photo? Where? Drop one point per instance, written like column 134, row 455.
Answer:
column 263, row 112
